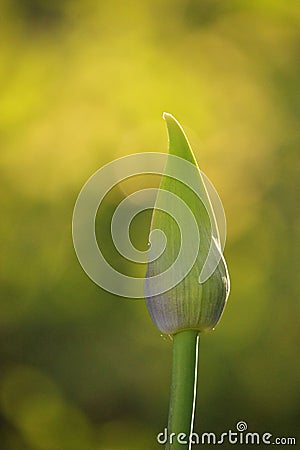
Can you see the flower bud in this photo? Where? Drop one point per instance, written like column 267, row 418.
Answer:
column 195, row 301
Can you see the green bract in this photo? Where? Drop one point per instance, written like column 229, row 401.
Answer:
column 191, row 304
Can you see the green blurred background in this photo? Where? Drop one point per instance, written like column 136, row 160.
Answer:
column 84, row 82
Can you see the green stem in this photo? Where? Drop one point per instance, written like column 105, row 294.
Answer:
column 183, row 388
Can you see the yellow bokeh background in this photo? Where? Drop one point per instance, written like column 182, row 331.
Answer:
column 82, row 83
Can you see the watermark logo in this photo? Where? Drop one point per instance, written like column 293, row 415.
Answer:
column 89, row 202
column 238, row 436
column 241, row 426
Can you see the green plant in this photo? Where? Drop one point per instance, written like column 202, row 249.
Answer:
column 190, row 306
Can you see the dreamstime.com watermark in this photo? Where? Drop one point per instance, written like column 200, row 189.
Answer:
column 239, row 436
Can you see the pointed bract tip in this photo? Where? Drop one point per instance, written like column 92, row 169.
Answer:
column 168, row 116
column 165, row 115
column 171, row 120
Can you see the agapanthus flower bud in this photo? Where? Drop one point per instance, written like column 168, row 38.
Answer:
column 191, row 303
